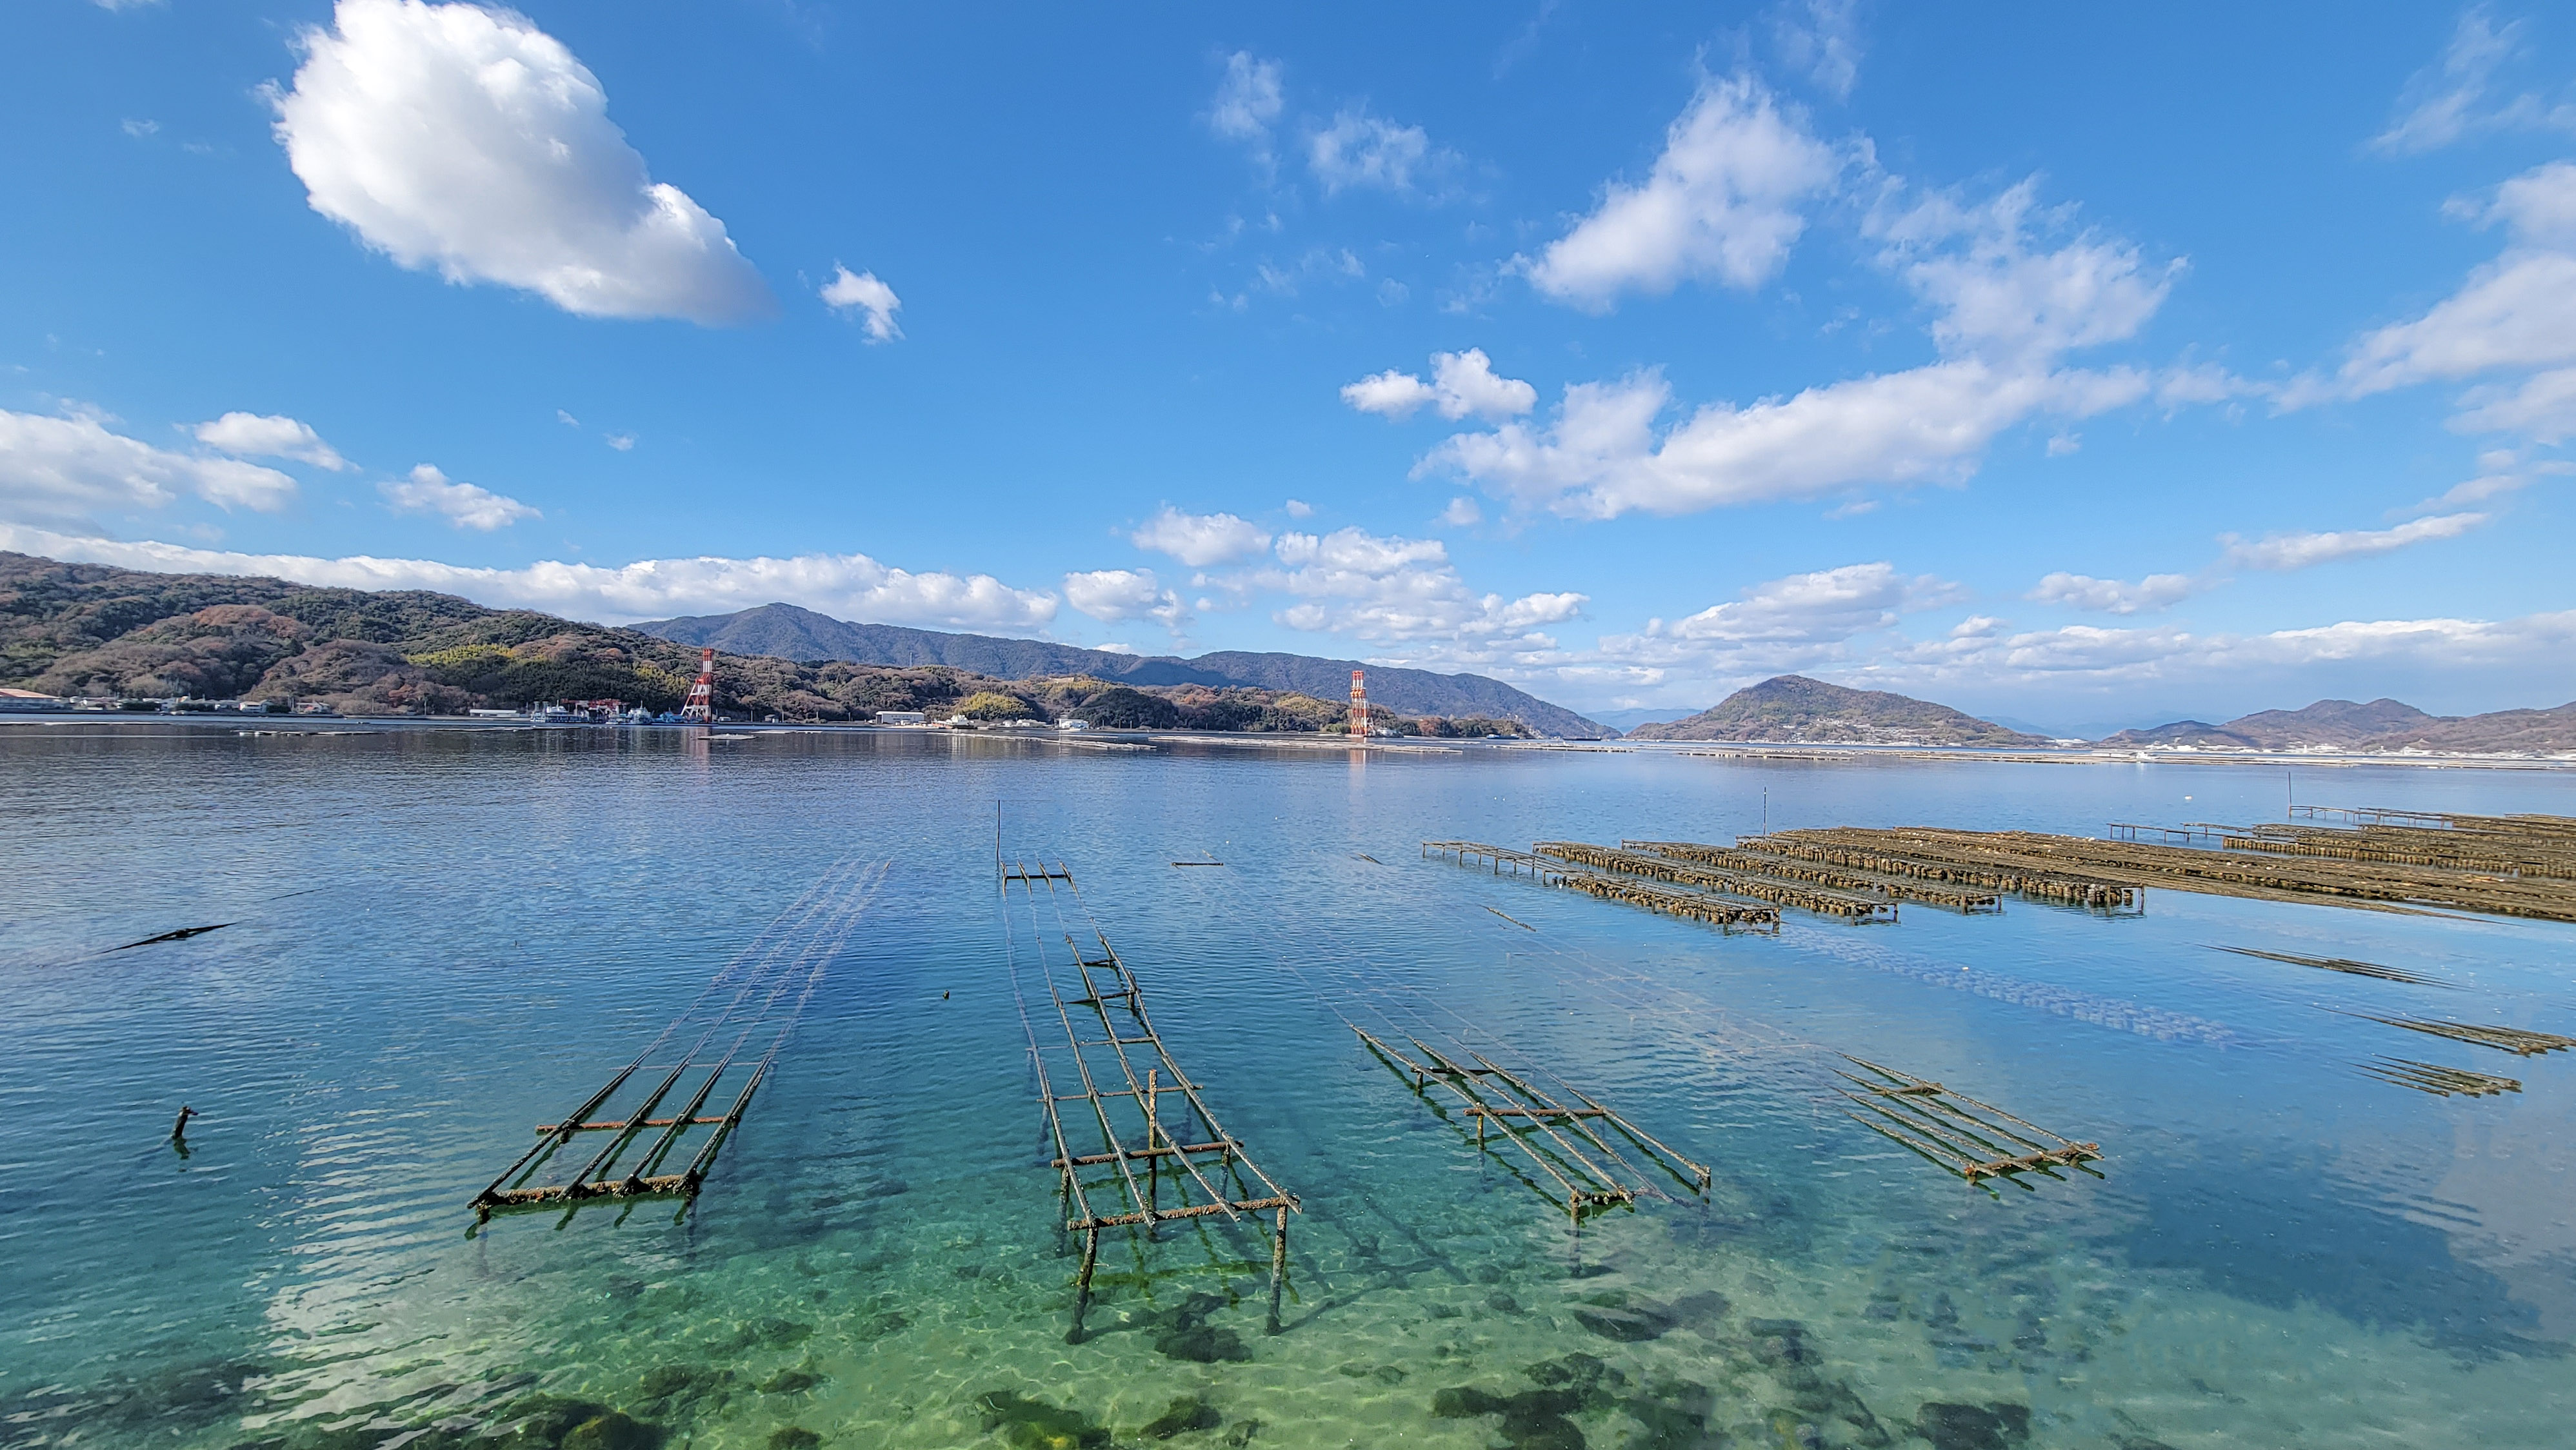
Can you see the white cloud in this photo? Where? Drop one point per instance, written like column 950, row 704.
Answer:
column 1602, row 456
column 1200, row 540
column 566, row 419
column 2516, row 312
column 2543, row 409
column 2003, row 300
column 1721, row 204
column 2456, row 97
column 64, row 470
column 1247, row 101
column 1386, row 587
column 2284, row 552
column 1361, row 150
column 253, row 436
column 1462, row 513
column 128, row 4
column 1390, row 394
column 861, row 294
column 140, row 129
column 2113, row 596
column 465, row 505
column 1461, row 383
column 1829, row 605
column 622, row 442
column 1825, row 43
column 1111, row 595
column 2064, row 659
column 845, row 586
column 1790, row 623
column 1298, row 508
column 467, row 140
column 2006, row 311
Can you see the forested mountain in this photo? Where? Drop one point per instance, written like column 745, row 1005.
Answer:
column 801, row 634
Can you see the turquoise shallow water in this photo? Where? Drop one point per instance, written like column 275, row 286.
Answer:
column 445, row 937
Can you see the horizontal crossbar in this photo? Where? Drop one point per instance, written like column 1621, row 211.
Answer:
column 1195, row 1210
column 1087, row 1159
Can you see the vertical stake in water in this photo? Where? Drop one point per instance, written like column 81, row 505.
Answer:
column 1278, row 1269
column 1082, row 1286
column 1152, row 1179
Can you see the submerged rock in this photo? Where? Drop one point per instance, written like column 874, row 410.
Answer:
column 1188, row 1412
column 1185, row 1334
column 1968, row 1427
column 1028, row 1424
column 774, row 1334
column 616, row 1430
column 793, row 1437
column 878, row 1326
column 1203, row 1344
column 540, row 1422
column 790, row 1382
column 682, row 1389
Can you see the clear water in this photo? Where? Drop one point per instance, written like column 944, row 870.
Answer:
column 2282, row 1251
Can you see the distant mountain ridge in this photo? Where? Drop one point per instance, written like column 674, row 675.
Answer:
column 2380, row 726
column 788, row 632
column 1792, row 709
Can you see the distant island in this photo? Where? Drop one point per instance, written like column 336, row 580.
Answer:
column 1792, row 709
column 89, row 630
column 2379, row 727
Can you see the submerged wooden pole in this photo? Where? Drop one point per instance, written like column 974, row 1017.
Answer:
column 1278, row 1269
column 1082, row 1283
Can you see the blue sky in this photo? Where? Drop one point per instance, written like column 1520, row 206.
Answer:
column 2086, row 368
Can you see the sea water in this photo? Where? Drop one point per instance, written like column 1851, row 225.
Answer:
column 440, row 938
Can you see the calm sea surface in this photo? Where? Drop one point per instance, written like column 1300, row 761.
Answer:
column 444, row 937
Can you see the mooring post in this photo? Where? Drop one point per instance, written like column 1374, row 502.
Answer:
column 1480, row 1129
column 1082, row 1284
column 1278, row 1269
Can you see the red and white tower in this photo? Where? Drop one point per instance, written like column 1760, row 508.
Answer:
column 1359, row 704
column 702, row 695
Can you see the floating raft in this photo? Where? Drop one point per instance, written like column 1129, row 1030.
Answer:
column 2429, row 1077
column 2503, row 1039
column 1958, row 1133
column 1552, row 1134
column 1694, row 905
column 729, row 1038
column 1102, row 1090
column 1747, row 855
column 2346, row 965
column 2058, row 887
column 1773, row 889
column 2265, row 877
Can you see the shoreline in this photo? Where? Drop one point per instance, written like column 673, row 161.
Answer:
column 1816, row 752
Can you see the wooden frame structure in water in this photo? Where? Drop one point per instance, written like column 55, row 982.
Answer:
column 1958, row 1133
column 765, row 986
column 1124, row 1073
column 1544, row 1129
